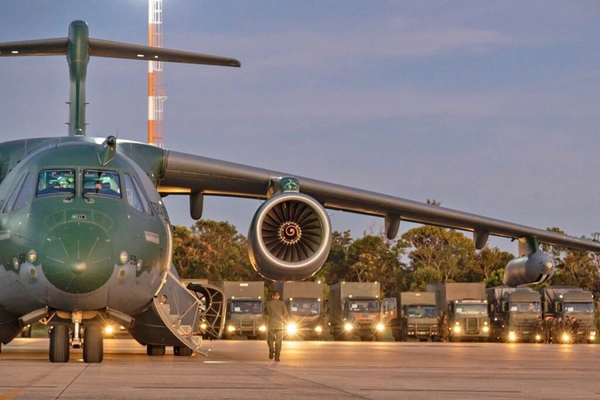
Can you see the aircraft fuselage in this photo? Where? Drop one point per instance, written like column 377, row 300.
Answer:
column 81, row 228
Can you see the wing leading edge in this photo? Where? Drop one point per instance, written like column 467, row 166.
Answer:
column 186, row 173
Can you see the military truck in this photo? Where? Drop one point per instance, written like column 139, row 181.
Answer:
column 304, row 301
column 418, row 318
column 515, row 314
column 355, row 310
column 244, row 315
column 466, row 308
column 560, row 302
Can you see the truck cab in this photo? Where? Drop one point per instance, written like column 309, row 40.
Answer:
column 563, row 305
column 515, row 314
column 469, row 320
column 418, row 317
column 356, row 310
column 244, row 310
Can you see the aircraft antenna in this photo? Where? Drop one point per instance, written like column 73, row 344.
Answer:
column 157, row 92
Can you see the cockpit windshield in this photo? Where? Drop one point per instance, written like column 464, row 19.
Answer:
column 101, row 182
column 56, row 181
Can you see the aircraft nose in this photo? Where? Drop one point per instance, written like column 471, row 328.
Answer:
column 78, row 257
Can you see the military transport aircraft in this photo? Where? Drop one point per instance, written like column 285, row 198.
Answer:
column 85, row 238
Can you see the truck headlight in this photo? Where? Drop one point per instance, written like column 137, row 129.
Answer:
column 538, row 338
column 230, row 328
column 291, row 329
column 512, row 336
column 262, row 328
column 566, row 337
column 380, row 327
column 486, row 329
column 319, row 329
column 109, row 329
column 348, row 326
column 456, row 328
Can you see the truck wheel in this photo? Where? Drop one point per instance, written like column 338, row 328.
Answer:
column 338, row 335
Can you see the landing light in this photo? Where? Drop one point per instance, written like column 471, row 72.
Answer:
column 31, row 256
column 203, row 326
column 109, row 329
column 123, row 257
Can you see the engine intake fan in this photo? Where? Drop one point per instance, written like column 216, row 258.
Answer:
column 289, row 237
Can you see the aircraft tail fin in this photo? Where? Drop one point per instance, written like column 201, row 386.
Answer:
column 79, row 47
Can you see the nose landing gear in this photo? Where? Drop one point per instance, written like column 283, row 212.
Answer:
column 62, row 338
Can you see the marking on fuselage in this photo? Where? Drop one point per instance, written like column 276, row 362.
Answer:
column 152, row 237
column 4, row 235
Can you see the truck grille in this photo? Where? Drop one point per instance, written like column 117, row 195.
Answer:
column 472, row 325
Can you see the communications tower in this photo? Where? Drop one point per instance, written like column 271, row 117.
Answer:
column 157, row 93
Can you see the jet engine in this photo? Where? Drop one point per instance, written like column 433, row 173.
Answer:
column 532, row 268
column 289, row 237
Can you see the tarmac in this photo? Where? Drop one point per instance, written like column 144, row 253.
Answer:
column 240, row 369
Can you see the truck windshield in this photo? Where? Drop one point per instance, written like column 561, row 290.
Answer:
column 305, row 307
column 526, row 307
column 471, row 309
column 363, row 305
column 246, row 307
column 421, row 311
column 579, row 307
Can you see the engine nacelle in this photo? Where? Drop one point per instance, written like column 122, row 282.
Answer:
column 289, row 237
column 529, row 269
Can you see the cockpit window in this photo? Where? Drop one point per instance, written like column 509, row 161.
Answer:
column 22, row 194
column 26, row 192
column 56, row 181
column 135, row 197
column 101, row 182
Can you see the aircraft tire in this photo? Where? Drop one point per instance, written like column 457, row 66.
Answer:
column 182, row 351
column 59, row 343
column 155, row 350
column 93, row 344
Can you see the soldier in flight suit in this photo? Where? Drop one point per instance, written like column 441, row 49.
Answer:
column 276, row 314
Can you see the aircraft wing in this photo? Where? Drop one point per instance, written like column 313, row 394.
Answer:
column 185, row 173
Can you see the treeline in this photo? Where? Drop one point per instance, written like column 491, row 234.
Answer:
column 216, row 251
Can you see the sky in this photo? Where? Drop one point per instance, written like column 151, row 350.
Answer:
column 488, row 107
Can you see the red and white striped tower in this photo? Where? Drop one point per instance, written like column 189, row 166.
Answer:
column 156, row 90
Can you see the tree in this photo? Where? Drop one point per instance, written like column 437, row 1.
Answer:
column 487, row 262
column 447, row 251
column 212, row 250
column 336, row 267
